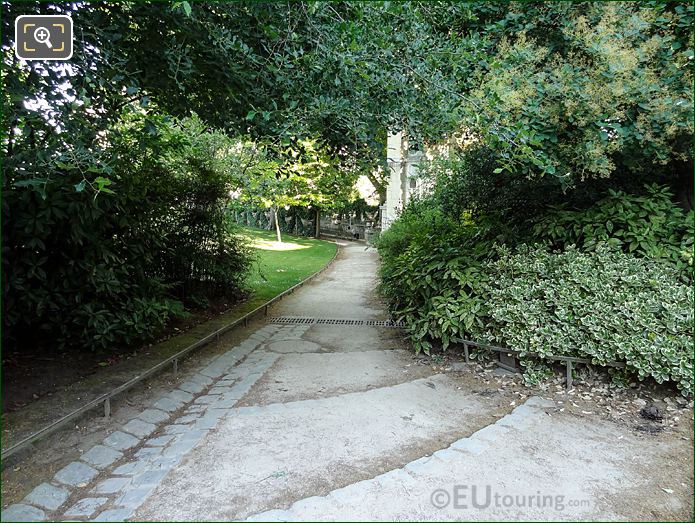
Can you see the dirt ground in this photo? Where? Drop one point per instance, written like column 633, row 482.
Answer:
column 33, row 372
column 22, row 471
column 591, row 397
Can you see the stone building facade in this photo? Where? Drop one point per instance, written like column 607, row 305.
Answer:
column 403, row 181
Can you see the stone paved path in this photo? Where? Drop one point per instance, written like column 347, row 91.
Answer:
column 335, row 422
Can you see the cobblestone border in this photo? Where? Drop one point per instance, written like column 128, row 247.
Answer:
column 521, row 418
column 112, row 479
column 105, row 399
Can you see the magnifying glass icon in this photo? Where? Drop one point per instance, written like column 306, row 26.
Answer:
column 42, row 36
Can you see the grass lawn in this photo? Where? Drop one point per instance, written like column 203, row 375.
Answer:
column 281, row 265
column 277, row 268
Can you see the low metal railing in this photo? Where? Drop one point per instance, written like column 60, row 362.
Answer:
column 569, row 360
column 173, row 360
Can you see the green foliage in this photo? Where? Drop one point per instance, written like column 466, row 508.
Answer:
column 649, row 225
column 301, row 173
column 432, row 274
column 536, row 372
column 604, row 305
column 576, row 91
column 570, row 91
column 466, row 184
column 463, row 182
column 108, row 268
column 299, row 69
column 419, row 222
column 446, row 278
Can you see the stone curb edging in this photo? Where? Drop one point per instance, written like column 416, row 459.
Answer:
column 521, row 418
column 121, row 472
column 105, row 398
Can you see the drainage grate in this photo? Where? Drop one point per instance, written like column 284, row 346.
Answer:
column 290, row 320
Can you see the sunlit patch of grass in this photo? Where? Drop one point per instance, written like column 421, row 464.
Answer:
column 279, row 266
column 266, row 245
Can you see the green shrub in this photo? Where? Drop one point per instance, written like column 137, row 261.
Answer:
column 420, row 221
column 431, row 274
column 447, row 280
column 465, row 183
column 648, row 225
column 436, row 290
column 605, row 306
column 108, row 270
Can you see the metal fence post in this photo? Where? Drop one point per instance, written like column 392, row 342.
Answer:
column 107, row 408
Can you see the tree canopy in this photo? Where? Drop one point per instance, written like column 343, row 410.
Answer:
column 570, row 90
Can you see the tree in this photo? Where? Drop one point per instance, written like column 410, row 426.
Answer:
column 347, row 72
column 301, row 173
column 105, row 270
column 575, row 91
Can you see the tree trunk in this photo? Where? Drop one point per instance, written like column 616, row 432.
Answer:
column 277, row 224
column 684, row 184
column 380, row 188
column 317, row 225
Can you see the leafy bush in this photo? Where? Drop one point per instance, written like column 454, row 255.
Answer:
column 421, row 220
column 432, row 274
column 106, row 270
column 436, row 290
column 649, row 225
column 449, row 279
column 605, row 306
column 466, row 183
